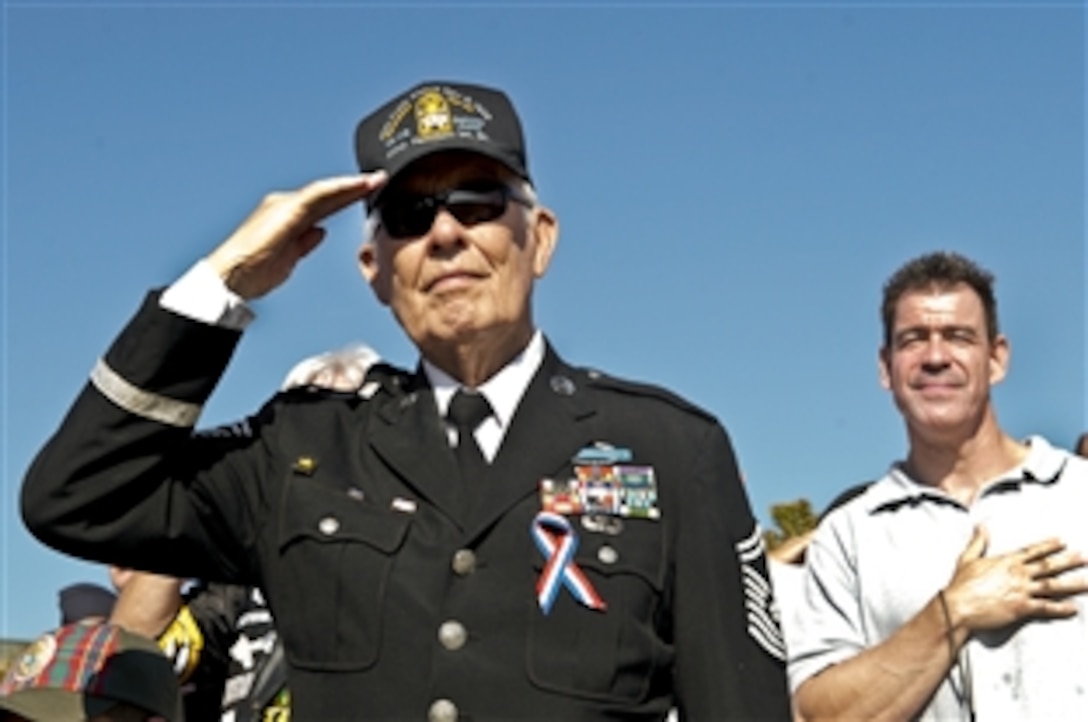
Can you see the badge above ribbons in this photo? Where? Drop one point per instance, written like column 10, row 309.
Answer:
column 557, row 542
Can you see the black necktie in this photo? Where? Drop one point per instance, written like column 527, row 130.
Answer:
column 467, row 411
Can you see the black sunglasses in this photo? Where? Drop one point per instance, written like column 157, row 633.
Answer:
column 407, row 215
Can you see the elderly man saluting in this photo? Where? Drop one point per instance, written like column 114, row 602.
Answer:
column 495, row 535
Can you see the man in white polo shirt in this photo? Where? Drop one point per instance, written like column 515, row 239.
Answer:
column 953, row 588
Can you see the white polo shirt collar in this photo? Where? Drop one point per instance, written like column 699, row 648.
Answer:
column 1043, row 465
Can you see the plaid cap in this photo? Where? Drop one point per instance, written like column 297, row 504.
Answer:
column 437, row 116
column 82, row 670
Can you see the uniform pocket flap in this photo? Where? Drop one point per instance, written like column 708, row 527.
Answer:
column 322, row 514
column 638, row 550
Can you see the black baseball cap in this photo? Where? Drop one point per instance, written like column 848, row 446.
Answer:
column 438, row 116
column 84, row 600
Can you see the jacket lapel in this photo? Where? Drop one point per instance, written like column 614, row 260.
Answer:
column 407, row 435
column 550, row 425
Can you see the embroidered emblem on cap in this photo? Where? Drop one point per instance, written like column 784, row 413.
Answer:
column 439, row 112
column 45, row 664
column 32, row 661
column 433, row 115
column 437, row 116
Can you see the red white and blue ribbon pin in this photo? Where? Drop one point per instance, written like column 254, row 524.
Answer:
column 557, row 541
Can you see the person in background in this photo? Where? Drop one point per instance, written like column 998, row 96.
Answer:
column 343, row 370
column 221, row 641
column 85, row 602
column 786, row 563
column 494, row 534
column 90, row 672
column 953, row 587
column 787, row 566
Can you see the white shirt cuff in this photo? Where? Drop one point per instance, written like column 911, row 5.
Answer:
column 202, row 296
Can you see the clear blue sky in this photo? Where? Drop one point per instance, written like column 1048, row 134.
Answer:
column 734, row 183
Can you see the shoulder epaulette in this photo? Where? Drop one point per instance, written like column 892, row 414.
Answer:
column 309, row 393
column 391, row 379
column 599, row 379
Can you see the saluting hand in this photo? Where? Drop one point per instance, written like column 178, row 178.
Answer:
column 262, row 252
column 993, row 592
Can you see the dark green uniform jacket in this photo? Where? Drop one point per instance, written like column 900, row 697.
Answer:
column 397, row 598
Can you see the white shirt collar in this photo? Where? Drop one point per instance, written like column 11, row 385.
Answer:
column 503, row 390
column 1043, row 465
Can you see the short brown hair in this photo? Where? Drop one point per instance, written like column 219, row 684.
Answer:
column 941, row 270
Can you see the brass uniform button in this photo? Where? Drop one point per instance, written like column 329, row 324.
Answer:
column 329, row 525
column 452, row 635
column 464, row 562
column 608, row 555
column 442, row 710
